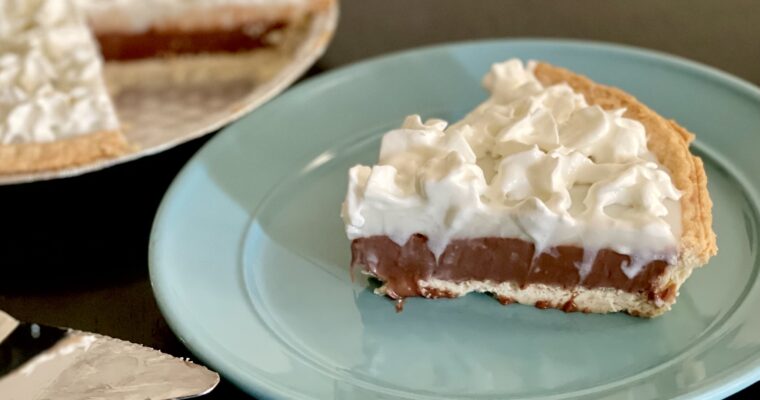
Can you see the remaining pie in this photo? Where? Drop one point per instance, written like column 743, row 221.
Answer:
column 555, row 192
column 55, row 109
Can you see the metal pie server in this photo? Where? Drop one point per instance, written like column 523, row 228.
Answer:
column 43, row 362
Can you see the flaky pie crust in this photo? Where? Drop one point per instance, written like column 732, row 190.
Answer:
column 62, row 153
column 670, row 144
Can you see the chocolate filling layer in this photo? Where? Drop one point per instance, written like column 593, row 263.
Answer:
column 498, row 260
column 132, row 46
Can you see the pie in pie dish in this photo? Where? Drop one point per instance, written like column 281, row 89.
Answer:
column 556, row 192
column 55, row 108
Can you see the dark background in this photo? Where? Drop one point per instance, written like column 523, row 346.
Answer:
column 73, row 252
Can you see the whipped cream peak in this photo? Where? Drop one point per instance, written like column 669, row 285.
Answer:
column 510, row 80
column 532, row 162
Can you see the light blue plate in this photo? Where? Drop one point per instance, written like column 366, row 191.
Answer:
column 249, row 260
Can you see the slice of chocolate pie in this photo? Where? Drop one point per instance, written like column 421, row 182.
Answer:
column 555, row 192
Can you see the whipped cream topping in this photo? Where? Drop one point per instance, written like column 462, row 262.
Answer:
column 532, row 162
column 142, row 15
column 50, row 74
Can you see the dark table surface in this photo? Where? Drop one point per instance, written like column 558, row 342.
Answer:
column 73, row 252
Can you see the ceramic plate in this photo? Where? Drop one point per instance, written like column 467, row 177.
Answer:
column 163, row 104
column 249, row 260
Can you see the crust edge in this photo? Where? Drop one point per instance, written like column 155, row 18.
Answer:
column 597, row 300
column 670, row 143
column 63, row 153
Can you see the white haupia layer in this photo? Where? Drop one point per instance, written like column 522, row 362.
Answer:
column 531, row 162
column 50, row 74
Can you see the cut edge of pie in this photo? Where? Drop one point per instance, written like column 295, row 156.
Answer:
column 214, row 17
column 258, row 64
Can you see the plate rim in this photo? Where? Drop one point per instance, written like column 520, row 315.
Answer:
column 321, row 31
column 722, row 384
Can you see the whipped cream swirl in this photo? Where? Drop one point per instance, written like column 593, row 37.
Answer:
column 50, row 74
column 532, row 162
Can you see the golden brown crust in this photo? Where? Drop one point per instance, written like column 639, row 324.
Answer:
column 79, row 150
column 596, row 300
column 670, row 144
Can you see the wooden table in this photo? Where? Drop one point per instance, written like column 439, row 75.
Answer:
column 74, row 251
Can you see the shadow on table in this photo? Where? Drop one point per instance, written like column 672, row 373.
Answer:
column 84, row 232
